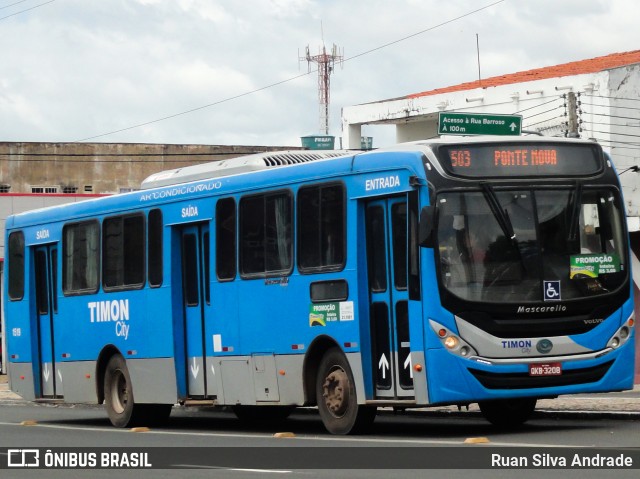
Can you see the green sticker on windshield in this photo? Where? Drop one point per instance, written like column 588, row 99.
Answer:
column 593, row 265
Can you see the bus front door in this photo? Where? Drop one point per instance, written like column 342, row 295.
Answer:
column 45, row 274
column 194, row 246
column 386, row 237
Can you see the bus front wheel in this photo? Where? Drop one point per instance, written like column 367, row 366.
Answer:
column 337, row 400
column 508, row 413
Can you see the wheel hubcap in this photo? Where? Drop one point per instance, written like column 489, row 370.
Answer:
column 336, row 392
column 119, row 392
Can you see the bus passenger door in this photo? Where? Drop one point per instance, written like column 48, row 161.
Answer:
column 45, row 269
column 194, row 247
column 386, row 236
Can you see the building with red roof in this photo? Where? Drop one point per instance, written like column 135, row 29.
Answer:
column 605, row 91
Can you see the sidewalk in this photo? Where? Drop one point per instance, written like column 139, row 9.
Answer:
column 621, row 403
column 5, row 394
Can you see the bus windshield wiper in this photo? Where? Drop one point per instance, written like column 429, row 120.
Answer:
column 500, row 214
column 575, row 201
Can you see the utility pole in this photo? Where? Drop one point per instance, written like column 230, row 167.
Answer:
column 326, row 62
column 573, row 121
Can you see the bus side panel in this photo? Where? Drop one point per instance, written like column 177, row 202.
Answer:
column 78, row 378
column 221, row 332
column 290, row 384
column 21, row 340
column 21, row 380
column 355, row 361
column 152, row 380
column 621, row 376
column 237, row 384
column 449, row 376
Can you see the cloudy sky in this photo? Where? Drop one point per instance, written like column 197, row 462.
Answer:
column 199, row 71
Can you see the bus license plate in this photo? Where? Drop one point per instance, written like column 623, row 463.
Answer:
column 549, row 369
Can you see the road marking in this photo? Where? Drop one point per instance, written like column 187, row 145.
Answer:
column 336, row 439
column 218, row 468
column 272, row 471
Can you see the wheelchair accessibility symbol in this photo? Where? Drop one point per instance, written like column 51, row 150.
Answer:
column 552, row 291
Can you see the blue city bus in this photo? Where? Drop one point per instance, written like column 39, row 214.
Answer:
column 442, row 272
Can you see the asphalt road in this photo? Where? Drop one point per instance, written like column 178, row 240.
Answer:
column 433, row 437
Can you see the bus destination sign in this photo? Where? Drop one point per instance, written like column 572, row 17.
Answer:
column 521, row 160
column 479, row 124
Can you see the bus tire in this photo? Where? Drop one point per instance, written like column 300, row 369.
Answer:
column 118, row 393
column 508, row 413
column 337, row 400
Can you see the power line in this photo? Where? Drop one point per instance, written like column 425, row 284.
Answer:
column 611, row 124
column 611, row 116
column 27, row 9
column 544, row 121
column 543, row 112
column 235, row 97
column 538, row 105
column 446, row 22
column 606, row 106
column 197, row 108
column 615, row 134
column 11, row 5
column 612, row 146
column 613, row 97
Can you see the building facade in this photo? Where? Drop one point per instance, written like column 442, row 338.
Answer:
column 100, row 168
column 596, row 98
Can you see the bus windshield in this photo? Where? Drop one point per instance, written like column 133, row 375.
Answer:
column 520, row 245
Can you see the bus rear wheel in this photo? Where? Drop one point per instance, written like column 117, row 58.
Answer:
column 118, row 395
column 508, row 413
column 119, row 401
column 337, row 400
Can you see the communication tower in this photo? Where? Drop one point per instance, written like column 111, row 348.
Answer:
column 326, row 62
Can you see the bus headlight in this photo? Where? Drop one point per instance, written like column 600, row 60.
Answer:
column 451, row 341
column 622, row 335
column 624, row 332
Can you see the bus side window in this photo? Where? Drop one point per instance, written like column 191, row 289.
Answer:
column 16, row 266
column 81, row 257
column 226, row 239
column 154, row 235
column 266, row 240
column 123, row 240
column 321, row 228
